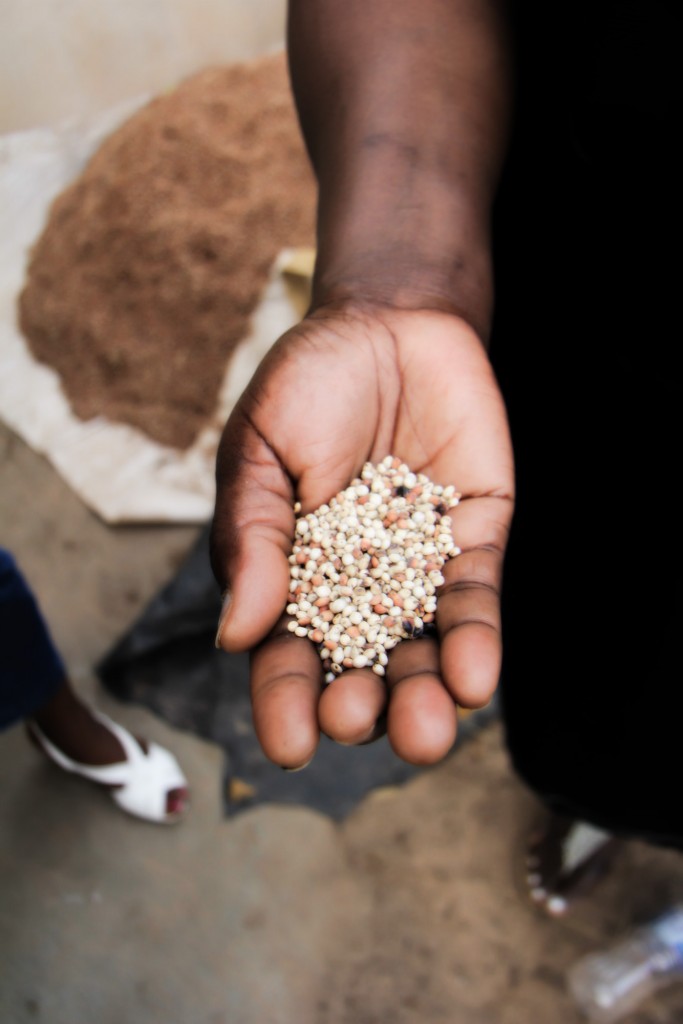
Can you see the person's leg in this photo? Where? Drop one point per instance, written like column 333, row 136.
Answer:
column 31, row 670
column 34, row 683
column 592, row 612
column 34, row 687
column 71, row 726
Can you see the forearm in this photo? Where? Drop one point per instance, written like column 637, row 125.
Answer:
column 404, row 108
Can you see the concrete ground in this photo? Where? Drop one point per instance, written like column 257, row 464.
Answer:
column 410, row 912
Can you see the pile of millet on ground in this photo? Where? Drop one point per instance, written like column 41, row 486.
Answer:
column 153, row 261
column 365, row 567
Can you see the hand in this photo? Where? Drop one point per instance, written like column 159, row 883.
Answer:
column 343, row 387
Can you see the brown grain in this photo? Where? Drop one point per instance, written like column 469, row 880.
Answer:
column 152, row 262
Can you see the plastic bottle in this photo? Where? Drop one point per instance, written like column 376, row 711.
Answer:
column 610, row 984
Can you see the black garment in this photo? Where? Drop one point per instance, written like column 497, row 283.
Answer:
column 585, row 344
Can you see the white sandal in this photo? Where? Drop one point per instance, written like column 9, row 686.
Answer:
column 143, row 780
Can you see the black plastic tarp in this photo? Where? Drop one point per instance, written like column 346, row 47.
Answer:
column 168, row 663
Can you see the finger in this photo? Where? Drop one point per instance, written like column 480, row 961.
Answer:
column 378, row 732
column 251, row 535
column 351, row 706
column 422, row 718
column 285, row 688
column 468, row 610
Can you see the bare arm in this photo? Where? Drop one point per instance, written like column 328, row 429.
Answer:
column 404, row 107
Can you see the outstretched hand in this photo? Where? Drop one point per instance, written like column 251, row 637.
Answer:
column 342, row 388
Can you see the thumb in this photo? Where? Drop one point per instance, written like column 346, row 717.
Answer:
column 251, row 536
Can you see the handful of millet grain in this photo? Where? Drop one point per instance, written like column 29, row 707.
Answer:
column 365, row 567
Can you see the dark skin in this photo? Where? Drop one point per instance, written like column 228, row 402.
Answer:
column 404, row 109
column 71, row 726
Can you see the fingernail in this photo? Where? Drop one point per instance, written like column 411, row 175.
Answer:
column 223, row 616
column 299, row 768
column 375, row 732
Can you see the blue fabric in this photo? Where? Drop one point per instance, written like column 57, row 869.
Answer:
column 31, row 670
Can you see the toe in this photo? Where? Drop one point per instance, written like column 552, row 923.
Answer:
column 177, row 801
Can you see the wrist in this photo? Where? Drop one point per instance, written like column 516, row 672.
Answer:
column 416, row 289
column 394, row 231
column 408, row 277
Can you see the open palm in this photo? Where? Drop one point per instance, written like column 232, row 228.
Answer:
column 342, row 388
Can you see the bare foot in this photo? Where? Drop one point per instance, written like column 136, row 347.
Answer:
column 566, row 858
